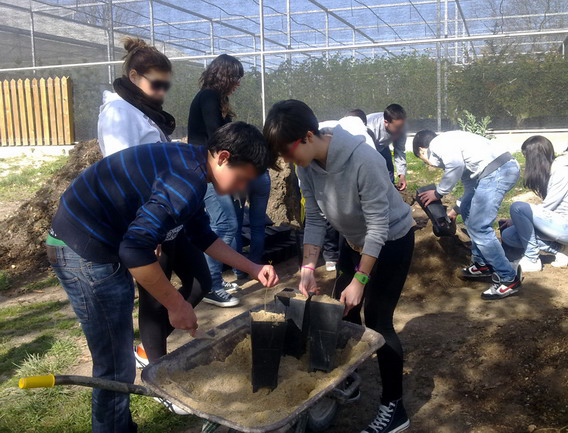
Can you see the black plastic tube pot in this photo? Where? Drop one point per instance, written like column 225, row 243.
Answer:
column 267, row 340
column 323, row 332
column 297, row 316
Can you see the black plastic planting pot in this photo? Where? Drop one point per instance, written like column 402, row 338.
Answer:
column 267, row 340
column 323, row 333
column 297, row 317
column 442, row 225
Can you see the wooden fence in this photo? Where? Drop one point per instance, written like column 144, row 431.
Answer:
column 36, row 112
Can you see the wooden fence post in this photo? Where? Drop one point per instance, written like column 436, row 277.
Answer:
column 69, row 133
column 3, row 137
column 9, row 119
column 37, row 111
column 15, row 113
column 29, row 111
column 23, row 116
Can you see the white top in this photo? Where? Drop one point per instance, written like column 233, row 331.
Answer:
column 383, row 138
column 352, row 124
column 121, row 125
column 458, row 152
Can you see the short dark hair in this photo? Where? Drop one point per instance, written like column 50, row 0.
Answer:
column 422, row 139
column 288, row 121
column 394, row 112
column 357, row 112
column 245, row 143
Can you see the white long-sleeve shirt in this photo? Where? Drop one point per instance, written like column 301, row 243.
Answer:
column 122, row 125
column 352, row 124
column 459, row 153
column 383, row 138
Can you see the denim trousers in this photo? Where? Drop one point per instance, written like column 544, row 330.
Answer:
column 479, row 207
column 223, row 222
column 535, row 229
column 102, row 296
column 387, row 154
column 258, row 194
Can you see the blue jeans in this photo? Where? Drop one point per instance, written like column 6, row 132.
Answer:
column 102, row 296
column 479, row 207
column 387, row 154
column 258, row 194
column 535, row 229
column 223, row 220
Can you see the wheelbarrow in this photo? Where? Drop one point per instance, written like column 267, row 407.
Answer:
column 315, row 414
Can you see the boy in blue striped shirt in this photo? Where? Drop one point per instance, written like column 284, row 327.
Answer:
column 109, row 224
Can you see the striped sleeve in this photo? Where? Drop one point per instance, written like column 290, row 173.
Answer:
column 175, row 200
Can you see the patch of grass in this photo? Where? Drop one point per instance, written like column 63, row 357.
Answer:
column 61, row 355
column 12, row 356
column 23, row 319
column 42, row 284
column 4, row 281
column 20, row 180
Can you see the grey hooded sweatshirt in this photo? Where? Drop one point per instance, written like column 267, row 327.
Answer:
column 557, row 192
column 356, row 196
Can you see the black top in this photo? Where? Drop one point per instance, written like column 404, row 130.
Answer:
column 205, row 117
column 123, row 206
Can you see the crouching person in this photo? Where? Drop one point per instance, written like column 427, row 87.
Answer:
column 487, row 174
column 346, row 181
column 108, row 225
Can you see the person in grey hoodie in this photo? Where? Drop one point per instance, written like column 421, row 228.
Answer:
column 346, row 181
column 536, row 227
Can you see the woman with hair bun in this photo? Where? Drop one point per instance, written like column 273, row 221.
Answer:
column 130, row 116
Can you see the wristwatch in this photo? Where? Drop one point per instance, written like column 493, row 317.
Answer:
column 361, row 277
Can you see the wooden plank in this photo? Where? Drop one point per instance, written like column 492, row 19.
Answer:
column 8, row 106
column 44, row 111
column 68, row 129
column 23, row 116
column 58, row 110
column 52, row 116
column 30, row 112
column 37, row 111
column 15, row 113
column 3, row 134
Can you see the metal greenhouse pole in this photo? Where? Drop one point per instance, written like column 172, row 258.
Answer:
column 262, row 60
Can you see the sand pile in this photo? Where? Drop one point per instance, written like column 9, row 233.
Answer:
column 267, row 316
column 224, row 387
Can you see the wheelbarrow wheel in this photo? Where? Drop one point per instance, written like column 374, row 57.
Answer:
column 322, row 415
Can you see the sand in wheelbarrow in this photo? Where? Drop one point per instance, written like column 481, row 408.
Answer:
column 223, row 388
column 267, row 316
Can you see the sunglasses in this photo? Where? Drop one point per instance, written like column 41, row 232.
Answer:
column 158, row 84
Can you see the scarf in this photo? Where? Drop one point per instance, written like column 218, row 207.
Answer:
column 152, row 108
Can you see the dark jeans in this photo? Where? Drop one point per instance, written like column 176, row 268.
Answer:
column 102, row 296
column 379, row 300
column 386, row 152
column 223, row 221
column 258, row 194
column 188, row 262
column 330, row 250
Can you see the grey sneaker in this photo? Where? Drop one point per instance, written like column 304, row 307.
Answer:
column 230, row 287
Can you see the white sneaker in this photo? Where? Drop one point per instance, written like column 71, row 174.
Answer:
column 330, row 266
column 561, row 260
column 527, row 265
column 171, row 407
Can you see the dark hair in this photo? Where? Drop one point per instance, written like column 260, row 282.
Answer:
column 246, row 145
column 394, row 112
column 422, row 139
column 221, row 75
column 142, row 57
column 288, row 121
column 358, row 113
column 539, row 155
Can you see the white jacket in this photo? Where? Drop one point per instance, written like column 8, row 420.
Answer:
column 376, row 123
column 121, row 125
column 352, row 124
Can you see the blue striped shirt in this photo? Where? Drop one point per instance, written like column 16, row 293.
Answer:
column 123, row 206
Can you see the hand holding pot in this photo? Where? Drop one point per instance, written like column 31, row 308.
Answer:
column 352, row 295
column 308, row 285
column 183, row 317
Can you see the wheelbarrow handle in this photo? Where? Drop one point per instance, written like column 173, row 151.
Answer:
column 343, row 395
column 49, row 381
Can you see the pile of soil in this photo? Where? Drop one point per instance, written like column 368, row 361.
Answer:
column 224, row 387
column 23, row 234
column 267, row 316
column 284, row 203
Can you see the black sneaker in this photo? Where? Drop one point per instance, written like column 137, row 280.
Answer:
column 221, row 298
column 477, row 271
column 502, row 289
column 391, row 418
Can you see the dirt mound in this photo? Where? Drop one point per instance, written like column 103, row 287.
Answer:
column 23, row 234
column 284, row 202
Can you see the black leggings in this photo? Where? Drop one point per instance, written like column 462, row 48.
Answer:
column 380, row 298
column 187, row 261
